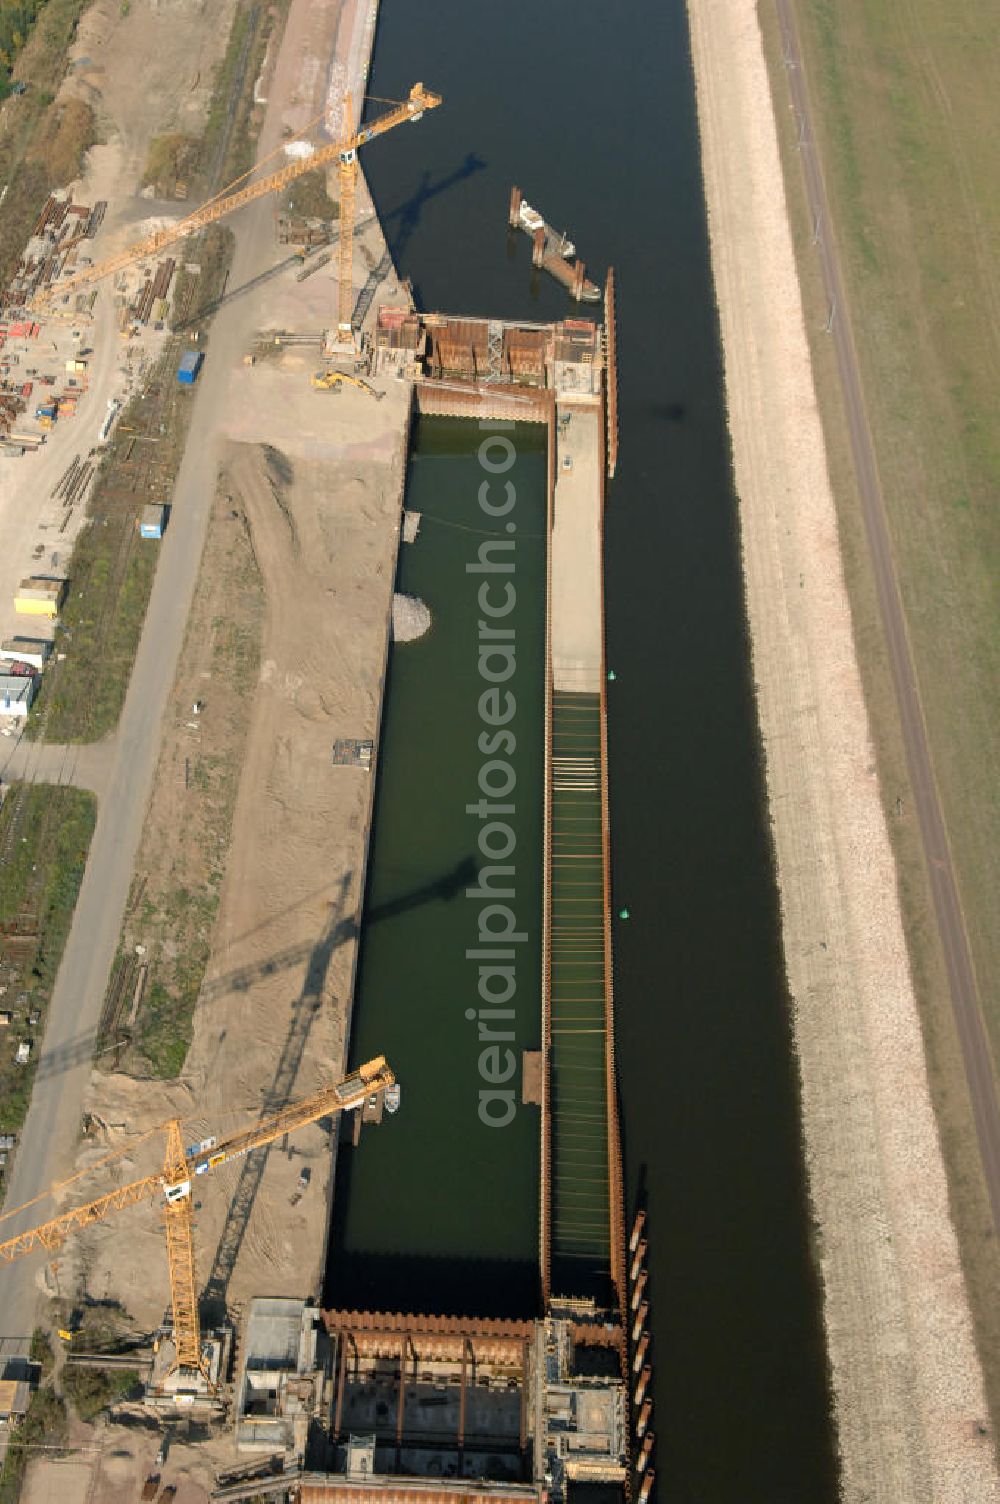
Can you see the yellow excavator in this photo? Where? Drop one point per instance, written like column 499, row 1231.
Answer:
column 334, row 381
column 174, row 1183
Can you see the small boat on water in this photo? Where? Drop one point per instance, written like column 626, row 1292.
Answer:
column 392, row 1095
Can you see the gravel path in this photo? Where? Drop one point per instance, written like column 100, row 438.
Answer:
column 911, row 1412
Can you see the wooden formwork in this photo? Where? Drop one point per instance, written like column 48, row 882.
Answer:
column 479, row 400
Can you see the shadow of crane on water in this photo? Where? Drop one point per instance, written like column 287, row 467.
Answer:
column 400, row 223
column 405, row 216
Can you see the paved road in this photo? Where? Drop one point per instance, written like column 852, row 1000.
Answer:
column 947, row 908
column 85, row 767
column 125, row 764
column 52, row 1127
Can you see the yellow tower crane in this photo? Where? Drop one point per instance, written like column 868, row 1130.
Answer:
column 345, row 153
column 181, row 1166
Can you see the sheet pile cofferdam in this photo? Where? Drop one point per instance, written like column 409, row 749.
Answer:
column 553, row 252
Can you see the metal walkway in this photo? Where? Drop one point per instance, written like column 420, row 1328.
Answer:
column 581, row 1222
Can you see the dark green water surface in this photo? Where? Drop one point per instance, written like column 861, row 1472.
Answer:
column 437, row 1209
column 590, row 108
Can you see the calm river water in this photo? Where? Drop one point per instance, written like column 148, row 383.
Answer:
column 590, row 109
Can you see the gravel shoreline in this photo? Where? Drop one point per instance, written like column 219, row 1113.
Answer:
column 910, row 1410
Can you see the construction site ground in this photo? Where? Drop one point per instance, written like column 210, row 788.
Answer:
column 144, row 69
column 323, row 534
column 316, row 480
column 182, row 855
column 110, row 1463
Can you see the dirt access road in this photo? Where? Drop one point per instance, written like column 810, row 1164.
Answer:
column 52, row 1127
column 937, row 857
column 143, row 69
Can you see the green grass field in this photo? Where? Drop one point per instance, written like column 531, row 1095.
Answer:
column 907, row 103
column 903, row 100
column 44, row 839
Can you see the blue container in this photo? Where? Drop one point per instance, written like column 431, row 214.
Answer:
column 152, row 522
column 191, row 363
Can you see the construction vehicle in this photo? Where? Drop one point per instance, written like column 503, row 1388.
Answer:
column 181, row 1168
column 334, row 381
column 234, row 196
column 315, row 264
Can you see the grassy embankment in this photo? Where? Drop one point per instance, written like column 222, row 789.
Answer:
column 904, row 108
column 181, row 863
column 44, row 838
column 45, row 1424
column 111, row 570
column 89, row 1391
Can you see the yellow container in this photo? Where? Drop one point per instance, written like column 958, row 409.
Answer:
column 25, row 607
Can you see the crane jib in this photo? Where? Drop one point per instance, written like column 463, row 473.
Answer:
column 234, row 197
column 347, row 1096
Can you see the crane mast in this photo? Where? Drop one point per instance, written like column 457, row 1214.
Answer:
column 178, row 1226
column 347, row 174
column 180, row 1167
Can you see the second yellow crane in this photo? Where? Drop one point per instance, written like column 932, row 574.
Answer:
column 181, row 1167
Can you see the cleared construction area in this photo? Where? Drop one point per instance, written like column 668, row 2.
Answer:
column 317, row 499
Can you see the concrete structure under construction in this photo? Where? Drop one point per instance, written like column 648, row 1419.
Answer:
column 444, row 355
column 429, row 1408
column 411, row 1407
column 283, row 1372
column 562, row 375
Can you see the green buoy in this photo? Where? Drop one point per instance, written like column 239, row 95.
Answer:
column 611, row 675
column 624, row 914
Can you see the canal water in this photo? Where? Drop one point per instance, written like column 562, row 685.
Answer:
column 590, row 108
column 437, row 1207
